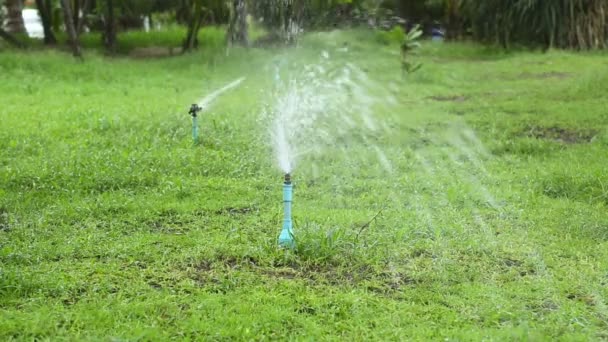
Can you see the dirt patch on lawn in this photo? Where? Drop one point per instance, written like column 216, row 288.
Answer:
column 561, row 134
column 544, row 75
column 168, row 220
column 377, row 281
column 387, row 282
column 518, row 266
column 449, row 98
column 235, row 210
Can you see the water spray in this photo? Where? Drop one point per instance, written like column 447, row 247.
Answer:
column 286, row 239
column 205, row 103
column 194, row 109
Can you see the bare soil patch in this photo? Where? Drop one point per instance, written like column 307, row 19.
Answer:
column 450, row 98
column 544, row 75
column 561, row 134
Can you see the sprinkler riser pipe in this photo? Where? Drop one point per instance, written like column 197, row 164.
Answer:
column 286, row 238
column 194, row 110
column 195, row 129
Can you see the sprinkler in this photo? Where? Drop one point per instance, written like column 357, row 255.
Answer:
column 286, row 238
column 204, row 103
column 194, row 109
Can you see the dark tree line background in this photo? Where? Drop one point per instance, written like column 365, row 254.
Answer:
column 572, row 24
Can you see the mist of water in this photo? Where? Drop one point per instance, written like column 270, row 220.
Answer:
column 321, row 114
column 315, row 107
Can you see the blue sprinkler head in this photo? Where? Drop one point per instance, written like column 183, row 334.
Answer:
column 286, row 239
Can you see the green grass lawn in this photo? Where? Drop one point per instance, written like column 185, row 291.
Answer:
column 488, row 176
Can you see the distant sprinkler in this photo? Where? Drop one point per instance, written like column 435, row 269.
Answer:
column 205, row 102
column 194, row 110
column 286, row 239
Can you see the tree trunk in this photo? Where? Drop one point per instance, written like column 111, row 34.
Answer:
column 109, row 37
column 55, row 15
column 194, row 24
column 454, row 20
column 9, row 38
column 76, row 13
column 237, row 31
column 70, row 28
column 86, row 8
column 14, row 17
column 47, row 25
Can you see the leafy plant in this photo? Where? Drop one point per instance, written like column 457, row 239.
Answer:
column 408, row 46
column 396, row 36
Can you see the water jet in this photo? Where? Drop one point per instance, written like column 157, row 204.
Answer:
column 286, row 238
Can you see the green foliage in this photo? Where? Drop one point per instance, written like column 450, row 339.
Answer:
column 574, row 24
column 395, row 36
column 436, row 5
column 2, row 14
column 408, row 46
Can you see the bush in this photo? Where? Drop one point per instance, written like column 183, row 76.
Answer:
column 394, row 36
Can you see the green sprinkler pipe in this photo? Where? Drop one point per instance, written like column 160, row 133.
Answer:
column 286, row 239
column 194, row 109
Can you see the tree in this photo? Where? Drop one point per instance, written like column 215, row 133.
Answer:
column 195, row 13
column 195, row 17
column 283, row 18
column 14, row 17
column 109, row 36
column 237, row 30
column 453, row 19
column 71, row 28
column 45, row 10
column 6, row 35
column 10, row 38
column 85, row 7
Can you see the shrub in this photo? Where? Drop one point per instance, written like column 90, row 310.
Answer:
column 394, row 36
